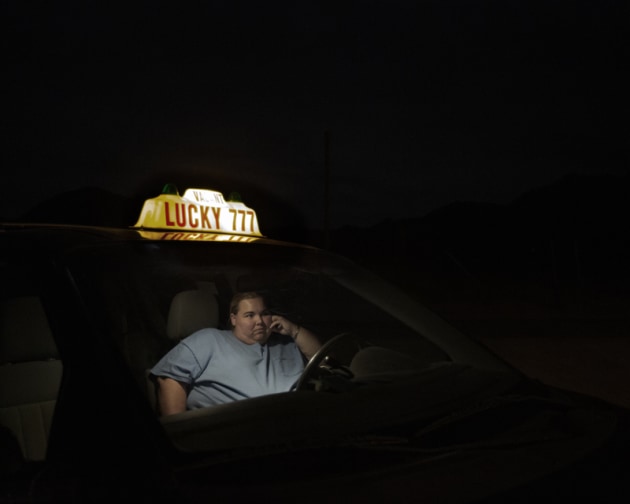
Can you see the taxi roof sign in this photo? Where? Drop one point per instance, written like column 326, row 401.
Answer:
column 199, row 211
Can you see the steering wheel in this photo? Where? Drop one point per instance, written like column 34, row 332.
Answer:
column 320, row 356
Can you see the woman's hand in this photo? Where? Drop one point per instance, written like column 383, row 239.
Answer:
column 283, row 326
column 306, row 341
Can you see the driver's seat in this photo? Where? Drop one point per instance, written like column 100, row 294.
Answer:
column 190, row 311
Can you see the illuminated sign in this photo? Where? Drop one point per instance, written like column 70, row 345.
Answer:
column 183, row 236
column 198, row 210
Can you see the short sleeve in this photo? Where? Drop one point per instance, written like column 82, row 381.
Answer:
column 179, row 364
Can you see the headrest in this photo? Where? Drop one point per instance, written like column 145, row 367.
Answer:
column 24, row 331
column 190, row 311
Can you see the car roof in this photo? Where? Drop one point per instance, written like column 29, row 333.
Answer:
column 64, row 237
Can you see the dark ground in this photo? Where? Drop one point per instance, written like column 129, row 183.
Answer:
column 581, row 343
column 544, row 282
column 578, row 352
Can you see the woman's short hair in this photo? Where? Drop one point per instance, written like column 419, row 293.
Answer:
column 240, row 296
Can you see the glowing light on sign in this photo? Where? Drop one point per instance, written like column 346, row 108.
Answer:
column 198, row 210
column 184, row 236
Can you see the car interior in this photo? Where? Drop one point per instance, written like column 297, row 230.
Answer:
column 146, row 305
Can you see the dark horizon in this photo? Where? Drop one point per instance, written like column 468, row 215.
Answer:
column 561, row 241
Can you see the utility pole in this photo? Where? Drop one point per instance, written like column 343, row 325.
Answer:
column 326, row 223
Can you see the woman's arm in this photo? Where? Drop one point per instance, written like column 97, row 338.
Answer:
column 306, row 341
column 171, row 396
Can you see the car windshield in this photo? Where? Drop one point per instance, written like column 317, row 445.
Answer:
column 372, row 332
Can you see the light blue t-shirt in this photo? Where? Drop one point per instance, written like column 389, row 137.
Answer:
column 219, row 368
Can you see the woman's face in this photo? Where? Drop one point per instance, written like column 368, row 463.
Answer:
column 252, row 321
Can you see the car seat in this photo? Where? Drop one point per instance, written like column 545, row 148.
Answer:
column 30, row 374
column 190, row 311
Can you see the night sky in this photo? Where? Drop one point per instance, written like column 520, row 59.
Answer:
column 407, row 105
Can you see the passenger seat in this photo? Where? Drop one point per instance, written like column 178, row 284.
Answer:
column 30, row 374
